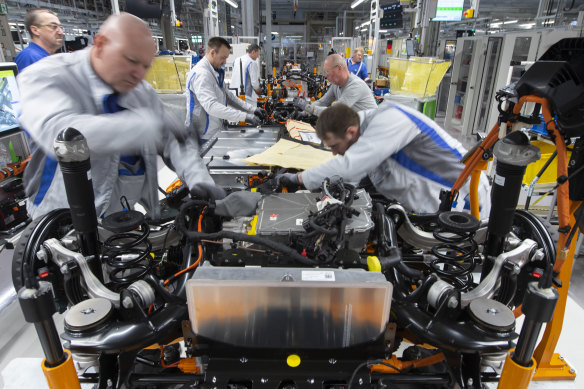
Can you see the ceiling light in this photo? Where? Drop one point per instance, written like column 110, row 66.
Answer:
column 507, row 22
column 382, row 30
column 365, row 24
column 527, row 25
column 495, row 25
column 356, row 3
column 231, row 3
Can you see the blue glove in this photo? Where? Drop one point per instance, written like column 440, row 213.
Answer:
column 288, row 179
column 206, row 191
column 253, row 120
column 300, row 102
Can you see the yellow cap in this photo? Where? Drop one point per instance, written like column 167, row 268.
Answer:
column 293, row 360
column 373, row 263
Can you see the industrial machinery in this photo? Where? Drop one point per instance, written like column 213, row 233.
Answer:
column 339, row 288
column 281, row 89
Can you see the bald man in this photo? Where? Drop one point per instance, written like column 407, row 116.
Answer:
column 100, row 92
column 346, row 88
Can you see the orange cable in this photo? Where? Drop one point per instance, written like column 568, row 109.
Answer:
column 200, row 253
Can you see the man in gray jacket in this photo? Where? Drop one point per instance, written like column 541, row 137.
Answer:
column 209, row 103
column 100, row 92
column 405, row 154
column 346, row 88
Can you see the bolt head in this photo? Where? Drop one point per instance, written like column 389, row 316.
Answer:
column 42, row 254
column 127, row 302
column 572, row 371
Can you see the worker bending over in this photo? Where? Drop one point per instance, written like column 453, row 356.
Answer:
column 407, row 156
column 209, row 103
column 346, row 88
column 100, row 92
column 246, row 68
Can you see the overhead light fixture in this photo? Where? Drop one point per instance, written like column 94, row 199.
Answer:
column 495, row 25
column 356, row 3
column 506, row 22
column 382, row 30
column 527, row 25
column 232, row 3
column 365, row 24
column 364, row 29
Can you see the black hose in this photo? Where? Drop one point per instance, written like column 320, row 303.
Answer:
column 197, row 236
column 542, row 236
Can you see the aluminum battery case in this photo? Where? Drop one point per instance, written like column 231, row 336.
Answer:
column 225, row 152
column 288, row 307
column 281, row 215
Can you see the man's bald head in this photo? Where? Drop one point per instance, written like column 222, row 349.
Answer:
column 122, row 52
column 335, row 70
column 336, row 60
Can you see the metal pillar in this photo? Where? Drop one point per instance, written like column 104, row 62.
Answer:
column 167, row 32
column 247, row 19
column 115, row 7
column 429, row 39
column 268, row 47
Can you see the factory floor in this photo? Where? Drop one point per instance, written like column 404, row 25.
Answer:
column 21, row 354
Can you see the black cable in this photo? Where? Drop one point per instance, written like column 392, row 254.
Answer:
column 197, row 236
column 355, row 373
column 369, row 364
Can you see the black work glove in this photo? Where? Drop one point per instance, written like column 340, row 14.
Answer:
column 288, row 179
column 260, row 113
column 206, row 191
column 252, row 119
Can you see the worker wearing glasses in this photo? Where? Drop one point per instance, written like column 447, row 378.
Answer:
column 46, row 37
column 346, row 88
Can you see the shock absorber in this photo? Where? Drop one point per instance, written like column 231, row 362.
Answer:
column 72, row 154
column 513, row 153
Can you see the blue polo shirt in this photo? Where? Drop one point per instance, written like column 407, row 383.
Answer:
column 359, row 69
column 30, row 55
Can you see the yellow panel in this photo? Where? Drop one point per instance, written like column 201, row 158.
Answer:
column 168, row 73
column 417, row 77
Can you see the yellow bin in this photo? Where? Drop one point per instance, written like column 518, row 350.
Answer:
column 550, row 174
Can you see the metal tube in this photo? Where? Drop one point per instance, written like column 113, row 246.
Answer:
column 527, row 342
column 50, row 342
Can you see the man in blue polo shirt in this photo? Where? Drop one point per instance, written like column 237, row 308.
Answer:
column 46, row 34
column 356, row 64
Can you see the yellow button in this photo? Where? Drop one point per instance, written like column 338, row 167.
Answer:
column 293, row 360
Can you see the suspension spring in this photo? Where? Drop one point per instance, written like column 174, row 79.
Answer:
column 456, row 256
column 128, row 254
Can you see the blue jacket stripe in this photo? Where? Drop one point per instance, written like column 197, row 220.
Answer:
column 247, row 80
column 192, row 96
column 46, row 179
column 402, row 158
column 426, row 129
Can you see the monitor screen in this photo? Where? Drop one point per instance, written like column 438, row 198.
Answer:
column 9, row 97
column 448, row 10
column 392, row 16
column 410, row 48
